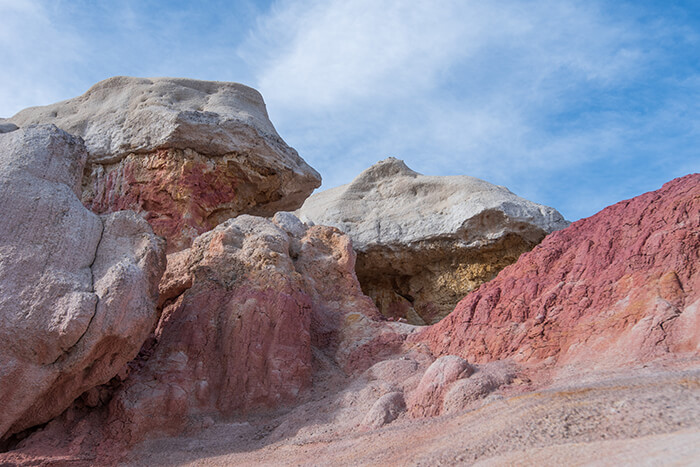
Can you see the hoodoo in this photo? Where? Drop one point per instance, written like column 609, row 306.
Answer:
column 187, row 154
column 423, row 242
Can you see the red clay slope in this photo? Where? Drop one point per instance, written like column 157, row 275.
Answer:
column 618, row 287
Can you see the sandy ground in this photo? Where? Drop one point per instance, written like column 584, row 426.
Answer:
column 640, row 416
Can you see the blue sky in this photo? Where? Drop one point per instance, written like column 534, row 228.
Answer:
column 573, row 104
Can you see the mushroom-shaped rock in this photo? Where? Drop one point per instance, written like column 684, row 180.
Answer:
column 424, row 242
column 77, row 292
column 188, row 154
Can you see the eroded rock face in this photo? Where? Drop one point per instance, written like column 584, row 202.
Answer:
column 186, row 154
column 243, row 311
column 618, row 287
column 77, row 292
column 234, row 335
column 423, row 242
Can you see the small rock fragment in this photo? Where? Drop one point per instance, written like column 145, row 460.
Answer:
column 385, row 410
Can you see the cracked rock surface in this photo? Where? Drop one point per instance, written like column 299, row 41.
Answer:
column 187, row 154
column 77, row 291
column 424, row 242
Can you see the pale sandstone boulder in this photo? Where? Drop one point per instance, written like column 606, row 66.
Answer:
column 463, row 393
column 385, row 410
column 187, row 154
column 424, row 242
column 77, row 292
column 395, row 371
column 450, row 384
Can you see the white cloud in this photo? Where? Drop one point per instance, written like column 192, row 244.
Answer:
column 330, row 53
column 538, row 95
column 316, row 55
column 517, row 92
column 56, row 49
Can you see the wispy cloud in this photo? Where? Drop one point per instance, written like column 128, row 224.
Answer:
column 57, row 49
column 516, row 92
column 321, row 54
column 572, row 103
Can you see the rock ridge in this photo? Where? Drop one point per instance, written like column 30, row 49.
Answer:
column 618, row 287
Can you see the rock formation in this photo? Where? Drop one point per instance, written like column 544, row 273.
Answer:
column 423, row 242
column 257, row 344
column 246, row 310
column 385, row 410
column 77, row 291
column 451, row 384
column 619, row 287
column 234, row 334
column 427, row 398
column 187, row 154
